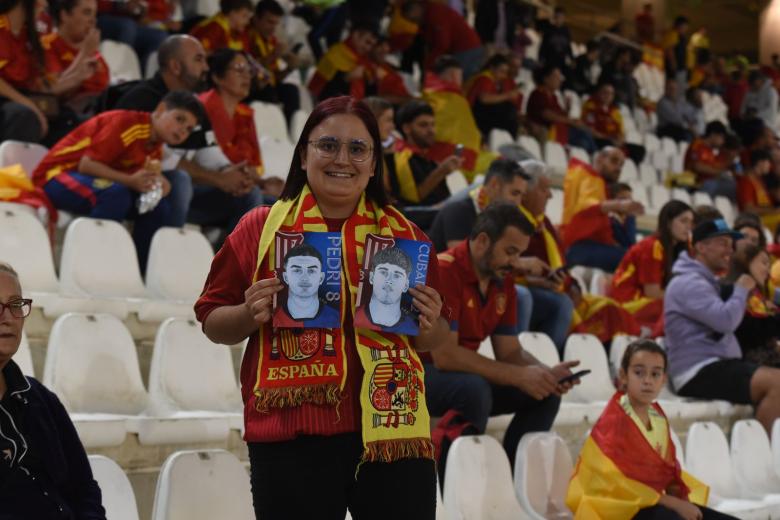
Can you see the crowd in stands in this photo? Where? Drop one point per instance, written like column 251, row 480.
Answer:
column 440, row 90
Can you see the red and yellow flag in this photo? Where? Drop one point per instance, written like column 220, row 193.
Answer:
column 583, row 192
column 618, row 471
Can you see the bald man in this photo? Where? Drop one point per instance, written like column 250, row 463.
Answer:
column 586, row 229
column 206, row 190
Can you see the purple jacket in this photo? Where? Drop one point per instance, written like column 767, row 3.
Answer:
column 699, row 324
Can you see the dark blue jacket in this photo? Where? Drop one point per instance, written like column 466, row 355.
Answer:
column 54, row 479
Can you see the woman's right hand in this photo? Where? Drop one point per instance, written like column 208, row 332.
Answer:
column 259, row 298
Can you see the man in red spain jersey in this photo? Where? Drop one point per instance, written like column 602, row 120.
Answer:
column 705, row 159
column 478, row 281
column 101, row 168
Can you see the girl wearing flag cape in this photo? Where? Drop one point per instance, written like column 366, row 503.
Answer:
column 628, row 467
column 334, row 418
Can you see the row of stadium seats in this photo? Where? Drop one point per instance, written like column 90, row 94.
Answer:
column 744, row 478
column 92, row 364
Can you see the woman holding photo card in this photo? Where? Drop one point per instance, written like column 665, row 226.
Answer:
column 335, row 417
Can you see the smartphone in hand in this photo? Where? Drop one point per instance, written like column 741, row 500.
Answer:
column 573, row 377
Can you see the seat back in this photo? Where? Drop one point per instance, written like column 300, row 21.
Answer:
column 20, row 152
column 99, row 259
column 579, row 153
column 530, row 145
column 277, row 156
column 708, row 459
column 92, row 365
column 555, row 156
column 751, row 460
column 478, row 481
column 117, row 493
column 682, row 195
column 659, row 195
column 652, row 143
column 297, row 122
column 648, row 174
column 499, row 138
column 269, row 120
column 555, row 207
column 540, row 346
column 25, row 246
column 543, row 466
column 189, row 372
column 724, row 205
column 596, row 386
column 23, row 357
column 617, row 349
column 629, row 172
column 122, row 61
column 179, row 261
column 678, row 447
column 456, row 182
column 203, row 485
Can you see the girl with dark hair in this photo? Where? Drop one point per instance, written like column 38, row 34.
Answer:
column 495, row 99
column 231, row 73
column 759, row 333
column 646, row 268
column 628, row 466
column 324, row 436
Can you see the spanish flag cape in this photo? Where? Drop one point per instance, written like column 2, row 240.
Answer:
column 618, row 472
column 583, row 192
column 762, row 198
column 554, row 257
column 215, row 33
column 341, row 57
column 603, row 317
column 407, row 184
column 236, row 136
column 401, row 31
column 16, row 186
column 455, row 125
column 395, row 423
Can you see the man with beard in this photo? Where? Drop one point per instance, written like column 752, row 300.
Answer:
column 183, row 66
column 478, row 285
column 389, row 278
column 303, row 276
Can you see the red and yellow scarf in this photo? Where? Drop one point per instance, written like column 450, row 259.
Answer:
column 293, row 369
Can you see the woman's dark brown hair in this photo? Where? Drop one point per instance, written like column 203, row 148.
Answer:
column 296, row 178
column 740, row 264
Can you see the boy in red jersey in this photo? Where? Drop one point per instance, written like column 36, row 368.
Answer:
column 100, row 168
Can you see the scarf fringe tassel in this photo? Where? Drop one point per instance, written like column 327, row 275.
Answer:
column 396, row 449
column 265, row 399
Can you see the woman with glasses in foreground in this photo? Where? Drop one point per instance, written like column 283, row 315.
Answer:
column 335, row 418
column 44, row 471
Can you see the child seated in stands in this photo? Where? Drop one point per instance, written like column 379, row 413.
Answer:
column 628, row 466
column 623, row 224
column 102, row 168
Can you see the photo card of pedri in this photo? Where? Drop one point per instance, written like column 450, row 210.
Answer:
column 309, row 266
column 390, row 267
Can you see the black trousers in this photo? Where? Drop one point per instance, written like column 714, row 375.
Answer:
column 663, row 513
column 317, row 477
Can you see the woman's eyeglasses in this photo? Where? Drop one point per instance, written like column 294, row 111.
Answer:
column 242, row 69
column 329, row 147
column 18, row 308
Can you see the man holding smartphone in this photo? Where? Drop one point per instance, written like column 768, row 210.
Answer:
column 478, row 285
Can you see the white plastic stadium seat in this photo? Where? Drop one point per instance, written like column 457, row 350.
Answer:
column 639, row 193
column 724, row 205
column 579, row 153
column 117, row 493
column 597, row 386
column 629, row 172
column 555, row 157
column 540, row 346
column 682, row 195
column 478, row 481
column 648, row 174
column 179, row 261
column 775, row 442
column 191, row 376
column 659, row 195
column 122, row 61
column 456, row 182
column 203, row 485
column 99, row 262
column 652, row 143
column 92, row 365
column 530, row 145
column 616, row 350
column 23, row 357
column 269, row 121
column 297, row 122
column 543, row 466
column 701, row 198
column 669, row 146
column 277, row 156
column 555, row 206
column 19, row 152
column 707, row 458
column 751, row 459
column 499, row 138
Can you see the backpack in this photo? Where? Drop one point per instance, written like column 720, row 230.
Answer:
column 451, row 426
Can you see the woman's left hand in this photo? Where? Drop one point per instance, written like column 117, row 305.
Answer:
column 428, row 301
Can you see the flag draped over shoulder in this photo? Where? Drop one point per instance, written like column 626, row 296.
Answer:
column 16, row 186
column 618, row 471
column 583, row 192
column 455, row 125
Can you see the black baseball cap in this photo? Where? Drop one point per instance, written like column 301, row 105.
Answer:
column 713, row 228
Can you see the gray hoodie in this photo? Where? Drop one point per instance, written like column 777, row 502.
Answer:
column 699, row 324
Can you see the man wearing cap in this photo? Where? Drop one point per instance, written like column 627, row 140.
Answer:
column 704, row 355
